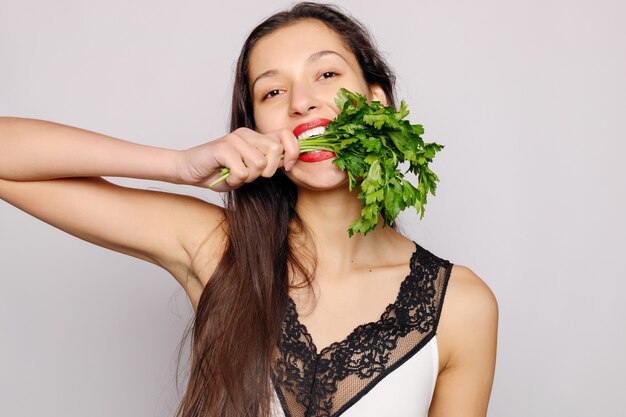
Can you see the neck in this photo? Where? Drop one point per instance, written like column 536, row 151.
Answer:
column 328, row 214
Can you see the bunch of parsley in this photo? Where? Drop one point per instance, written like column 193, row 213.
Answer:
column 370, row 141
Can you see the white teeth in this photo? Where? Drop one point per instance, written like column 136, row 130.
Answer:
column 312, row 132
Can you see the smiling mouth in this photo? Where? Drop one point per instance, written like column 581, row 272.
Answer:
column 317, row 127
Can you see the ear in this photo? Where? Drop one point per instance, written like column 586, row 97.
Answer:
column 378, row 94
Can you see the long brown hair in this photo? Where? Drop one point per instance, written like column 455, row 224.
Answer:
column 241, row 310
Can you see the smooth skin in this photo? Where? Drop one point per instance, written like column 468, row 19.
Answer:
column 53, row 172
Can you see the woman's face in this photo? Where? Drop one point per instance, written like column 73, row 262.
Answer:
column 295, row 74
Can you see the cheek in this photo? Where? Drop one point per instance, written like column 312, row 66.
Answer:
column 265, row 121
column 259, row 122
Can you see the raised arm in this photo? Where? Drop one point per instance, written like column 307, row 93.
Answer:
column 52, row 171
column 32, row 149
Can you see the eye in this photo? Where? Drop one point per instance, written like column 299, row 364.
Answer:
column 332, row 74
column 271, row 94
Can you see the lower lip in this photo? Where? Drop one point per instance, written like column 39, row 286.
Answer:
column 316, row 156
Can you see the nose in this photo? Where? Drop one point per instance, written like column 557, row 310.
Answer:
column 302, row 100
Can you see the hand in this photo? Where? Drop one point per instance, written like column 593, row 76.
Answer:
column 246, row 153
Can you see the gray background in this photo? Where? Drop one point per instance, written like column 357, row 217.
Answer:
column 528, row 97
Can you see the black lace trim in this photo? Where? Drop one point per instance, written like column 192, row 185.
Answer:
column 326, row 384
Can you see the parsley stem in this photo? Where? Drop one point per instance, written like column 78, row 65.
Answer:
column 303, row 149
column 225, row 172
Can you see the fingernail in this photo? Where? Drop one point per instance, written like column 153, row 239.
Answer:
column 289, row 164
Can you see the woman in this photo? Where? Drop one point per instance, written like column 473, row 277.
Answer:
column 293, row 317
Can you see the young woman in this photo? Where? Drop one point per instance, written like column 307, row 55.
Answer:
column 293, row 317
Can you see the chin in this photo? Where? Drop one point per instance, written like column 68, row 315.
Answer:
column 317, row 176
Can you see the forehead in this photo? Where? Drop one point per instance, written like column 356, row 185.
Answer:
column 294, row 44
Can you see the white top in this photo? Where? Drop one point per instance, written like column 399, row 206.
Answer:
column 388, row 367
column 404, row 392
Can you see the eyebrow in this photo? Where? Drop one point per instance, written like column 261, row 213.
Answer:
column 313, row 57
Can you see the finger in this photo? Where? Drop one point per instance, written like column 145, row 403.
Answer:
column 238, row 171
column 274, row 153
column 270, row 145
column 252, row 156
column 290, row 151
column 291, row 148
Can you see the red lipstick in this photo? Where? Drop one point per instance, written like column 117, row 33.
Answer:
column 310, row 125
column 316, row 156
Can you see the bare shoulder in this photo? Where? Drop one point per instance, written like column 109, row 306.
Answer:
column 467, row 338
column 468, row 293
column 470, row 307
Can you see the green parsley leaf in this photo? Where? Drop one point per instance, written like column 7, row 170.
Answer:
column 370, row 141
